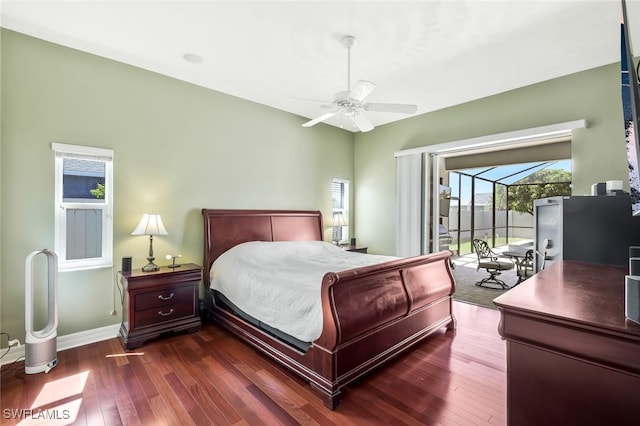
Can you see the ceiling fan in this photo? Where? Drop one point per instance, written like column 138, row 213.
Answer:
column 350, row 103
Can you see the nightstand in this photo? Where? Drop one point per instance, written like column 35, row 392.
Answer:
column 159, row 302
column 356, row 249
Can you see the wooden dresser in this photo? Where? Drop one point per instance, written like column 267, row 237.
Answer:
column 572, row 357
column 159, row 302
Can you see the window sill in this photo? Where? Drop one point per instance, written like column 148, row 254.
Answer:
column 84, row 267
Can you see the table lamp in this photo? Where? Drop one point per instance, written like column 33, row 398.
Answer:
column 150, row 224
column 339, row 220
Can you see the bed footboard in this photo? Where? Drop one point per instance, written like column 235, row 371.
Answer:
column 372, row 314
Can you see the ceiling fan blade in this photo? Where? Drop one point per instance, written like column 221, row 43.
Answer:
column 361, row 90
column 362, row 122
column 403, row 108
column 319, row 119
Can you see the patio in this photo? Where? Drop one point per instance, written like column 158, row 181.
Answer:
column 467, row 275
column 494, row 204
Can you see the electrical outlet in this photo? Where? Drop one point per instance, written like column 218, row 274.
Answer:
column 112, row 313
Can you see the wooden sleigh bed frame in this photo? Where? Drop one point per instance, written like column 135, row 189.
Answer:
column 370, row 314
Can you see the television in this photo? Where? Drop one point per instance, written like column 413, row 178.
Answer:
column 630, row 108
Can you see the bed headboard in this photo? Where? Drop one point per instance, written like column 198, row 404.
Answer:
column 224, row 229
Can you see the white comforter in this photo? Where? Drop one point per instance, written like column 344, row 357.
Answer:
column 279, row 283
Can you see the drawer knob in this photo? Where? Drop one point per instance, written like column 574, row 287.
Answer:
column 161, row 297
column 166, row 314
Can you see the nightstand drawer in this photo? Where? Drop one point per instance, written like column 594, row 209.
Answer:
column 167, row 296
column 163, row 314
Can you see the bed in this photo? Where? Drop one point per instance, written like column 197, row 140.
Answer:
column 369, row 314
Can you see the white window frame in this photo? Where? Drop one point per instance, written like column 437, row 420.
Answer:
column 345, row 210
column 63, row 151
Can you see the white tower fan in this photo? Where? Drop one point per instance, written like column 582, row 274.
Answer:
column 41, row 345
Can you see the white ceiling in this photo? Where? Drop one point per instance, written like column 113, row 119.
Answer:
column 284, row 54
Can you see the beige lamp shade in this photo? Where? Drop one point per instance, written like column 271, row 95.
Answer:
column 339, row 219
column 150, row 224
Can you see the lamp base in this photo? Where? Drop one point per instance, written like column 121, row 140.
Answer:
column 150, row 267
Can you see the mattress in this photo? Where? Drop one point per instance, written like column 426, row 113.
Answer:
column 278, row 283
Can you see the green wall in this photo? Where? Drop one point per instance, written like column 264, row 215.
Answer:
column 598, row 152
column 177, row 148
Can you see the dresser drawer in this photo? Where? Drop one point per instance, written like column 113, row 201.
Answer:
column 167, row 296
column 162, row 314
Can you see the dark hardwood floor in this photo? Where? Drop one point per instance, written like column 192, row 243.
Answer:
column 210, row 377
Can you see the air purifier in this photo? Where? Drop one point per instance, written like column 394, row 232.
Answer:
column 41, row 345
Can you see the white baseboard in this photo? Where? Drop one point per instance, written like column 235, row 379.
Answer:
column 68, row 341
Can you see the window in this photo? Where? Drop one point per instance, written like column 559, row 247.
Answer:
column 84, row 206
column 340, row 220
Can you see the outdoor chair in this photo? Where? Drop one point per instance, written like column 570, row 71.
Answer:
column 543, row 259
column 493, row 263
column 526, row 266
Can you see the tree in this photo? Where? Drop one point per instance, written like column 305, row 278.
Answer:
column 555, row 182
column 98, row 192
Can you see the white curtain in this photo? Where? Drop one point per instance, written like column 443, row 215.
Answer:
column 409, row 218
